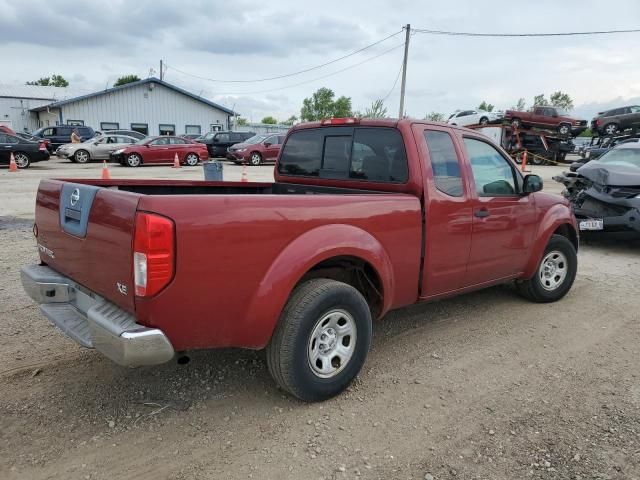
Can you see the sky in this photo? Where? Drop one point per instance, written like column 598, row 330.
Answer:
column 92, row 43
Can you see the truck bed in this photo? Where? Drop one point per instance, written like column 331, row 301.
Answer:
column 236, row 244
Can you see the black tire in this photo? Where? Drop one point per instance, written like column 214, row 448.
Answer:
column 22, row 160
column 564, row 129
column 288, row 352
column 537, row 160
column 255, row 159
column 133, row 160
column 484, row 121
column 533, row 289
column 610, row 129
column 81, row 156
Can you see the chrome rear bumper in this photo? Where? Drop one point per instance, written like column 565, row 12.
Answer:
column 94, row 322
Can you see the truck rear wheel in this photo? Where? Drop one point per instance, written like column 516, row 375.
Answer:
column 321, row 341
column 555, row 273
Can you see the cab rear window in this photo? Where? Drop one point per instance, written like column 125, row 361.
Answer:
column 346, row 153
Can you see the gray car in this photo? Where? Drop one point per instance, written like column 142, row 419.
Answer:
column 98, row 148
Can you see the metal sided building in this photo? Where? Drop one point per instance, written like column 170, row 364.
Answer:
column 151, row 106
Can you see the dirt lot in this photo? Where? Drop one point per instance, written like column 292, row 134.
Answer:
column 485, row 386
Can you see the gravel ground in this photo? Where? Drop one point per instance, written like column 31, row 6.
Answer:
column 483, row 386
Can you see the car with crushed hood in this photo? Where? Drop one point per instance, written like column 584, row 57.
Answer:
column 605, row 193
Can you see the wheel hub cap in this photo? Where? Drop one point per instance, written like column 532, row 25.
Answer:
column 553, row 270
column 332, row 343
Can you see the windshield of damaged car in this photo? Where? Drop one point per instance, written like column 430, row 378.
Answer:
column 628, row 157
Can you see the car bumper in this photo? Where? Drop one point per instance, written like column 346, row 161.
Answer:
column 236, row 156
column 94, row 322
column 116, row 157
column 627, row 222
column 40, row 156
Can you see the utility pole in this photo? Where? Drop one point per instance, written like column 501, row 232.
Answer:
column 404, row 69
column 161, row 69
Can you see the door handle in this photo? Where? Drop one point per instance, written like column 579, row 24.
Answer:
column 481, row 213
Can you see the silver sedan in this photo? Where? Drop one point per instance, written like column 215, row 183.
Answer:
column 97, row 148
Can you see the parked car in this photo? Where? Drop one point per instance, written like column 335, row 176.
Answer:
column 553, row 118
column 127, row 133
column 25, row 152
column 616, row 120
column 365, row 216
column 605, row 193
column 256, row 150
column 61, row 134
column 474, row 117
column 33, row 138
column 97, row 148
column 162, row 149
column 218, row 142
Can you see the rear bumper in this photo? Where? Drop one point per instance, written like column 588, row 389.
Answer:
column 94, row 322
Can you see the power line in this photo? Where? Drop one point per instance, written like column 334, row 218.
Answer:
column 317, row 78
column 287, row 74
column 395, row 82
column 555, row 34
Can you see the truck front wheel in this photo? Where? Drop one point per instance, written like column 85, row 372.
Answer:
column 555, row 274
column 321, row 341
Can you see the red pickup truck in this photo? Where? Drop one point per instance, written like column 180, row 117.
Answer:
column 553, row 118
column 364, row 216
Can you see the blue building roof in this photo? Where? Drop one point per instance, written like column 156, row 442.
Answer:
column 133, row 84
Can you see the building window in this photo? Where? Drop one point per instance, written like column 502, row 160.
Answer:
column 192, row 129
column 76, row 122
column 142, row 128
column 216, row 127
column 166, row 129
column 109, row 125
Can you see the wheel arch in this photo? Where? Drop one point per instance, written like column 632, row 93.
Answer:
column 559, row 220
column 341, row 252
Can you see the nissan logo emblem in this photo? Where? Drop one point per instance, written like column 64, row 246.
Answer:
column 75, row 196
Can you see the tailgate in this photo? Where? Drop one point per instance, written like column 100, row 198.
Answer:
column 86, row 233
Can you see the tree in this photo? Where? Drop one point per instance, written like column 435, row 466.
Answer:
column 375, row 110
column 52, row 81
column 435, row 117
column 269, row 120
column 322, row 105
column 539, row 101
column 520, row 106
column 561, row 100
column 126, row 79
column 241, row 122
column 487, row 107
column 291, row 120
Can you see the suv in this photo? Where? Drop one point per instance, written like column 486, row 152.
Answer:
column 218, row 142
column 61, row 134
column 617, row 119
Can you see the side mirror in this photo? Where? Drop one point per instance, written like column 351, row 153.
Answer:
column 532, row 183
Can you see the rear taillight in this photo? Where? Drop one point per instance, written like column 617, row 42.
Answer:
column 42, row 147
column 153, row 253
column 598, row 121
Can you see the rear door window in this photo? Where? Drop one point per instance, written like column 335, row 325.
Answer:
column 444, row 162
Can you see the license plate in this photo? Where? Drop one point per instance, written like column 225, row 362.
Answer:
column 592, row 224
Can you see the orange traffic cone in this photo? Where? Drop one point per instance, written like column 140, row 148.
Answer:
column 13, row 167
column 244, row 178
column 523, row 166
column 105, row 171
column 176, row 162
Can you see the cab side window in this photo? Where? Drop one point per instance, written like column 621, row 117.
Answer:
column 444, row 163
column 493, row 174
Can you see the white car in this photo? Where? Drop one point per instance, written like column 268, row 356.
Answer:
column 474, row 117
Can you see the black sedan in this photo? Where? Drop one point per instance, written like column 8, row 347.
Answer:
column 24, row 151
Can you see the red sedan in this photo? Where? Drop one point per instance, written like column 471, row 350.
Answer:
column 156, row 150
